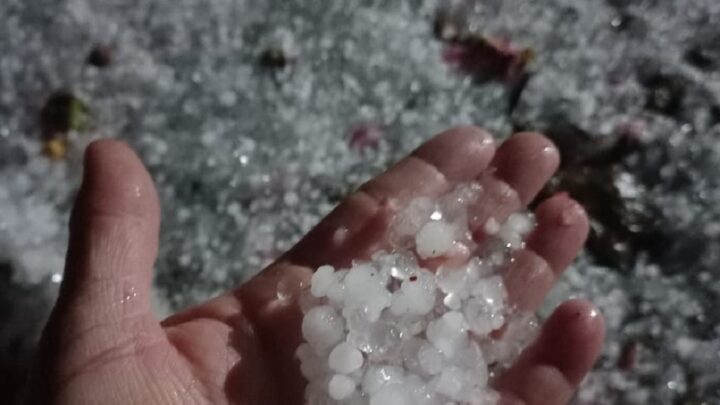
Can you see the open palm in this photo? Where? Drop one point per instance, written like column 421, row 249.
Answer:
column 103, row 345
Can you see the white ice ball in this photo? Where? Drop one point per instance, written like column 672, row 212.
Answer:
column 492, row 226
column 377, row 377
column 451, row 382
column 341, row 387
column 416, row 295
column 521, row 223
column 430, row 359
column 366, row 290
column 345, row 358
column 448, row 333
column 322, row 327
column 435, row 239
column 481, row 318
column 321, row 281
column 392, row 395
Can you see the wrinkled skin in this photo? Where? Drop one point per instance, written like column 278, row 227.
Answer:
column 103, row 345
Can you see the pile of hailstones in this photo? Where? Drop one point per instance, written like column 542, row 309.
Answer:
column 391, row 332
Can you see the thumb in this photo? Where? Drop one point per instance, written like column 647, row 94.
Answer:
column 104, row 305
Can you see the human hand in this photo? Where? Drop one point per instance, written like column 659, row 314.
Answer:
column 103, row 345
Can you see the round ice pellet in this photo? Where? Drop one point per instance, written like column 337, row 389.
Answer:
column 491, row 290
column 430, row 359
column 455, row 280
column 322, row 280
column 345, row 358
column 377, row 377
column 447, row 333
column 322, row 327
column 481, row 317
column 400, row 305
column 363, row 284
column 452, row 301
column 435, row 239
column 450, row 383
column 420, row 295
column 341, row 387
column 520, row 222
column 392, row 395
column 492, row 226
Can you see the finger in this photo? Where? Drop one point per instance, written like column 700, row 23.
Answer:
column 453, row 156
column 520, row 168
column 526, row 162
column 562, row 227
column 360, row 222
column 221, row 308
column 353, row 226
column 527, row 279
column 548, row 372
column 114, row 232
column 561, row 232
column 220, row 343
column 104, row 299
column 460, row 154
column 271, row 301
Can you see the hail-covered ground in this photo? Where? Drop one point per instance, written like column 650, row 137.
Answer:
column 256, row 117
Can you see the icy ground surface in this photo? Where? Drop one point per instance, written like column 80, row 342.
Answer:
column 248, row 155
column 413, row 324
